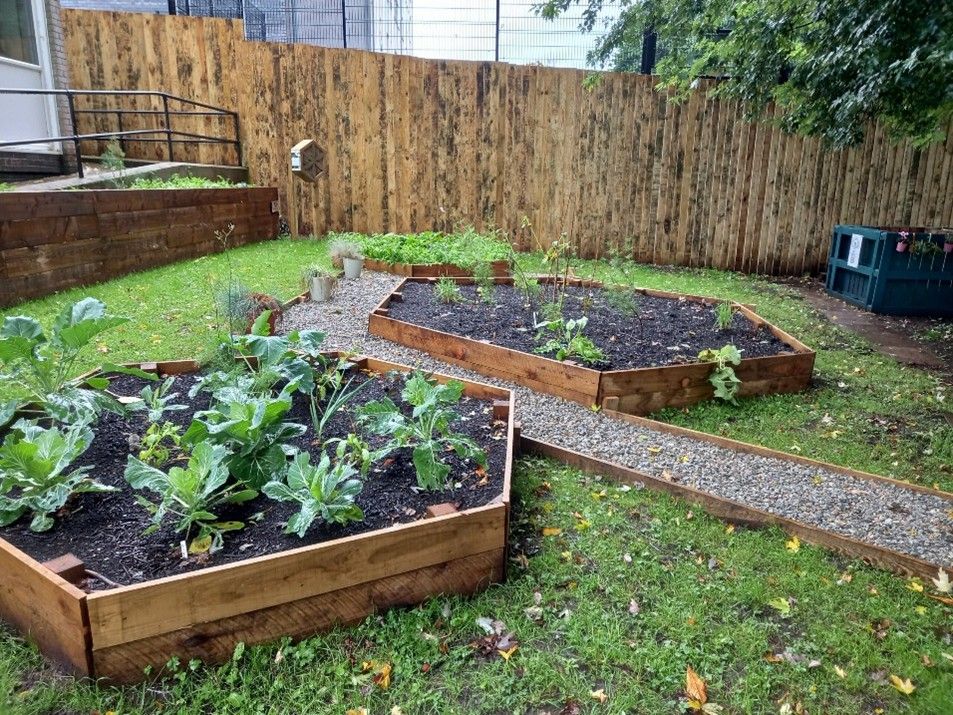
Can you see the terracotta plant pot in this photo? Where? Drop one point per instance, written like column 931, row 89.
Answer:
column 902, row 247
column 948, row 246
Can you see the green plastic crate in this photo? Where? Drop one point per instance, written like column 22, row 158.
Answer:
column 865, row 268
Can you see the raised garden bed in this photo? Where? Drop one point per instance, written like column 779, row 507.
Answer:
column 891, row 270
column 425, row 270
column 263, row 584
column 650, row 362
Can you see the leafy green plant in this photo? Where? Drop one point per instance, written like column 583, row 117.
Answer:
column 485, row 284
column 464, row 247
column 724, row 314
column 33, row 471
column 113, row 158
column 723, row 377
column 339, row 396
column 622, row 298
column 253, row 430
column 190, row 494
column 427, row 430
column 267, row 359
column 447, row 291
column 527, row 286
column 323, row 491
column 357, row 452
column 568, row 340
column 154, row 447
column 184, row 182
column 40, row 366
column 156, row 402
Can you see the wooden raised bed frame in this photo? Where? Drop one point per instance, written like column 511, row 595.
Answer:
column 115, row 634
column 635, row 391
column 432, row 270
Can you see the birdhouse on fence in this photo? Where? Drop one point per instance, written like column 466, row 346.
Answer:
column 308, row 160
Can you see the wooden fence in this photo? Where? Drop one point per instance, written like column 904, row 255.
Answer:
column 53, row 240
column 416, row 144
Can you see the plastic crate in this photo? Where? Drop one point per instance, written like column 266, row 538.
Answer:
column 865, row 268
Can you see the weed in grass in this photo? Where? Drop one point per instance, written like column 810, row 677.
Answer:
column 184, row 182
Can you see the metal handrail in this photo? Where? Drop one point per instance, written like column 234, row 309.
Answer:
column 171, row 136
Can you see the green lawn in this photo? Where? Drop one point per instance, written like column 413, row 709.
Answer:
column 703, row 595
column 633, row 590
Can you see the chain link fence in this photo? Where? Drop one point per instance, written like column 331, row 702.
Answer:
column 482, row 30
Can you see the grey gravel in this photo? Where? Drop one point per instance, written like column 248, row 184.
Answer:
column 883, row 514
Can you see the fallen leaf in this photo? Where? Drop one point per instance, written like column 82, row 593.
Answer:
column 730, row 529
column 781, row 605
column 904, row 685
column 505, row 654
column 942, row 599
column 841, row 673
column 357, row 711
column 915, row 585
column 599, row 695
column 627, row 558
column 942, row 582
column 396, row 710
column 634, row 607
column 695, row 689
column 552, row 531
column 793, row 544
column 654, row 450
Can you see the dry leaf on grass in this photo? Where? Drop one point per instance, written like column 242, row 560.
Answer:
column 904, row 685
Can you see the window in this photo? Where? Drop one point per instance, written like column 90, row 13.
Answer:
column 17, row 33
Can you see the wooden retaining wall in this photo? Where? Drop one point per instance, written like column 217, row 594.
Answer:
column 416, row 144
column 52, row 240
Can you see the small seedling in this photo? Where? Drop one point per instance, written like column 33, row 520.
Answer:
column 485, row 285
column 723, row 377
column 155, row 451
column 568, row 341
column 724, row 314
column 157, row 401
column 448, row 291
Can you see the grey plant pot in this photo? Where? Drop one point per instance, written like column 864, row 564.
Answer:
column 322, row 288
column 353, row 267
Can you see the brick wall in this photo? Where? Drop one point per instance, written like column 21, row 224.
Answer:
column 54, row 28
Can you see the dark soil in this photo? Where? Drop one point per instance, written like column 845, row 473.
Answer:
column 664, row 331
column 105, row 530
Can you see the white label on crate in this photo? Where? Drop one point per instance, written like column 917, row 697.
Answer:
column 853, row 257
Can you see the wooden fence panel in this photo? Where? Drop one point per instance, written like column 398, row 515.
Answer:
column 417, row 144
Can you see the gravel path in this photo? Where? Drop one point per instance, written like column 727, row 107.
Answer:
column 881, row 514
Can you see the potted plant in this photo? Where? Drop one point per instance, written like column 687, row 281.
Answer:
column 948, row 240
column 346, row 254
column 320, row 282
column 903, row 242
column 342, row 247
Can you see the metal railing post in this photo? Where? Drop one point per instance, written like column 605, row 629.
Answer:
column 238, row 139
column 344, row 22
column 72, row 121
column 496, row 46
column 168, row 125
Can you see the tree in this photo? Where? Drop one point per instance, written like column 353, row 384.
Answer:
column 830, row 66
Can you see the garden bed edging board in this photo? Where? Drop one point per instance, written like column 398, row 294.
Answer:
column 633, row 391
column 115, row 634
column 500, row 269
column 738, row 513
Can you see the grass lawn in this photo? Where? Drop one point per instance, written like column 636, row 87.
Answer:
column 632, row 590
